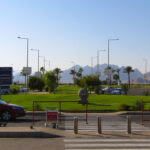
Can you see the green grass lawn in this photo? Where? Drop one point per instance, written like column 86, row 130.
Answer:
column 67, row 89
column 113, row 100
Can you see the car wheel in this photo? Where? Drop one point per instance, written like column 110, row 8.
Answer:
column 6, row 116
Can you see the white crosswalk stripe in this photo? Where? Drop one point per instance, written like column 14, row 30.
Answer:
column 107, row 144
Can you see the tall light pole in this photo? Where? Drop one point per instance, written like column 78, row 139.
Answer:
column 38, row 56
column 92, row 64
column 43, row 61
column 48, row 62
column 98, row 65
column 27, row 39
column 145, row 75
column 108, row 60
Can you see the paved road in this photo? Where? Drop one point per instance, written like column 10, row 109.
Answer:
column 74, row 144
column 109, row 122
column 107, row 144
column 31, row 144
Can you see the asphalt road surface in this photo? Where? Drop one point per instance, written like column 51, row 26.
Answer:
column 109, row 121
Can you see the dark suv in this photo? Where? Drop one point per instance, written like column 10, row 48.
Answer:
column 10, row 111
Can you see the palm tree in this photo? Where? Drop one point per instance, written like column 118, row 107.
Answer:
column 42, row 69
column 57, row 72
column 116, row 77
column 128, row 70
column 23, row 74
column 79, row 73
column 118, row 71
column 73, row 73
column 109, row 71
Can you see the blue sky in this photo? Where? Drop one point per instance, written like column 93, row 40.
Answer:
column 73, row 30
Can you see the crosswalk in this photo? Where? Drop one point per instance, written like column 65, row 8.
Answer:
column 107, row 144
column 106, row 126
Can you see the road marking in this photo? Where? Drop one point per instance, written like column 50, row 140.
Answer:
column 106, row 140
column 114, row 145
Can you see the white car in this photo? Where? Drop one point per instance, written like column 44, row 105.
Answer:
column 22, row 89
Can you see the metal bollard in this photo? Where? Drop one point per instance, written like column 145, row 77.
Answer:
column 99, row 124
column 129, row 124
column 76, row 125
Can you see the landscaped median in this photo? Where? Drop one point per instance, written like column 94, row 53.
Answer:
column 113, row 102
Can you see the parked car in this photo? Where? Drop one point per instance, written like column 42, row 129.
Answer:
column 107, row 90
column 22, row 89
column 4, row 92
column 117, row 92
column 10, row 111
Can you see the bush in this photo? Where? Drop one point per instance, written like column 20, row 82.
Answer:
column 14, row 89
column 125, row 88
column 133, row 108
column 36, row 83
column 138, row 105
column 50, row 80
column 146, row 93
column 124, row 107
column 91, row 82
column 97, row 90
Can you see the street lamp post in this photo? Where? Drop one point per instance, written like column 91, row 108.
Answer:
column 48, row 62
column 38, row 57
column 27, row 39
column 98, row 65
column 92, row 64
column 43, row 61
column 108, row 60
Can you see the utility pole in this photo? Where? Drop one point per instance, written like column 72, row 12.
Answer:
column 38, row 58
column 109, row 76
column 98, row 64
column 145, row 75
column 92, row 58
column 27, row 40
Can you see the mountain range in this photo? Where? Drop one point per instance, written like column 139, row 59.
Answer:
column 66, row 77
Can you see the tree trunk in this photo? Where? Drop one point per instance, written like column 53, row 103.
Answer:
column 119, row 75
column 129, row 79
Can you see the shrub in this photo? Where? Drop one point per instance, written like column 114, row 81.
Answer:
column 124, row 107
column 138, row 105
column 91, row 82
column 97, row 90
column 125, row 88
column 36, row 83
column 146, row 93
column 50, row 80
column 14, row 90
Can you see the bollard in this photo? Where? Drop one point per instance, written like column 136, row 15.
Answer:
column 129, row 124
column 75, row 125
column 99, row 124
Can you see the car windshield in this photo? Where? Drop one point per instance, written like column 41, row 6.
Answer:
column 2, row 102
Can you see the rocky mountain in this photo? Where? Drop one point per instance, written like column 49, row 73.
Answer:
column 66, row 77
